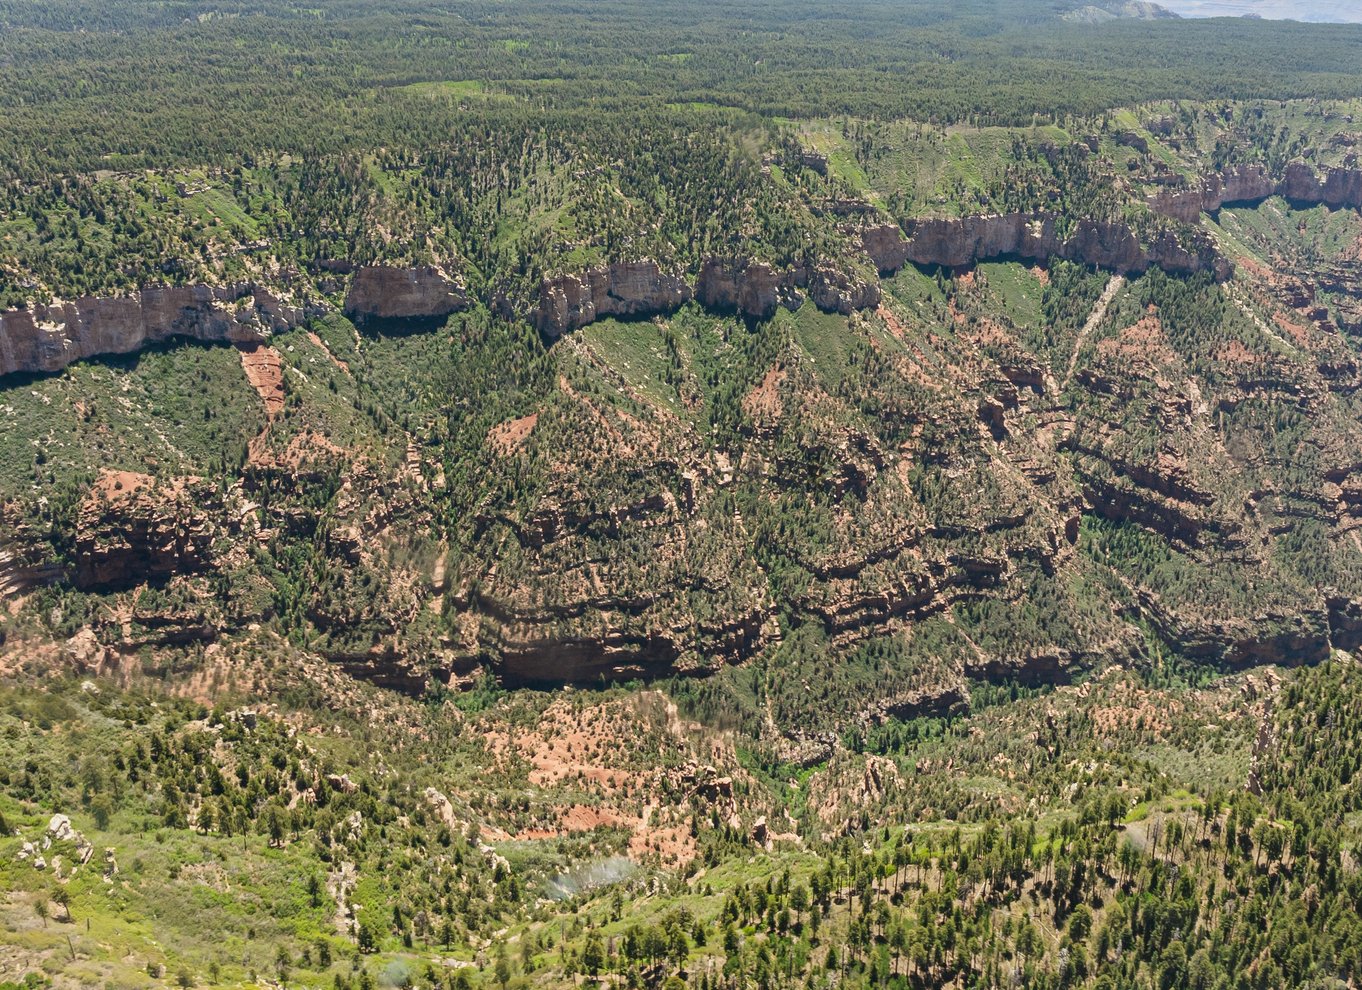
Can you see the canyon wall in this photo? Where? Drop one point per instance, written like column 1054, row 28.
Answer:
column 957, row 242
column 1251, row 184
column 49, row 337
column 631, row 288
column 378, row 292
column 755, row 289
column 751, row 288
column 132, row 528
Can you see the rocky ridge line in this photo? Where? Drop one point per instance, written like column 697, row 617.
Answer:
column 1248, row 185
column 755, row 288
column 49, row 337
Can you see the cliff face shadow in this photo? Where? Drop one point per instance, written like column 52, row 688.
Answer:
column 375, row 327
column 128, row 362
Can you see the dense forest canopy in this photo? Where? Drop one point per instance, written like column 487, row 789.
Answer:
column 125, row 84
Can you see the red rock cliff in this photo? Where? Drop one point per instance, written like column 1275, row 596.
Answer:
column 49, row 337
column 422, row 293
column 628, row 288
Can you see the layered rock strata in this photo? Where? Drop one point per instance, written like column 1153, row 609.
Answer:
column 957, row 242
column 50, row 337
column 383, row 293
column 133, row 528
column 1250, row 184
column 751, row 288
column 630, row 288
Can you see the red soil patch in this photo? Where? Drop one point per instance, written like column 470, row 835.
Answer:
column 1135, row 709
column 891, row 321
column 617, row 752
column 114, row 485
column 957, row 317
column 265, row 371
column 321, row 345
column 986, row 333
column 508, row 437
column 120, row 484
column 1143, row 341
column 1237, row 353
column 1299, row 333
column 764, row 402
column 577, row 818
column 304, row 448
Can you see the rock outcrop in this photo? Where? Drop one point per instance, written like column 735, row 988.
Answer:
column 629, row 288
column 531, row 654
column 25, row 561
column 1246, row 184
column 955, row 242
column 750, row 288
column 379, row 292
column 1250, row 184
column 50, row 337
column 835, row 291
column 133, row 528
column 1113, row 245
column 1336, row 187
column 754, row 289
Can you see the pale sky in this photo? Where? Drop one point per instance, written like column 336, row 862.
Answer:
column 1300, row 10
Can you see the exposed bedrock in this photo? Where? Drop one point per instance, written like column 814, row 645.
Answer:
column 957, row 242
column 614, row 656
column 50, row 337
column 613, row 641
column 836, row 291
column 25, row 561
column 629, row 288
column 1345, row 622
column 755, row 289
column 128, row 529
column 1335, row 187
column 1288, row 638
column 133, row 528
column 1250, row 184
column 1246, row 184
column 384, row 293
column 751, row 288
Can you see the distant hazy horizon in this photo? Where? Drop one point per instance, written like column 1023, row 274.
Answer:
column 1345, row 11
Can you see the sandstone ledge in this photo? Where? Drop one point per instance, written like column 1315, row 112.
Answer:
column 50, row 337
column 380, row 292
